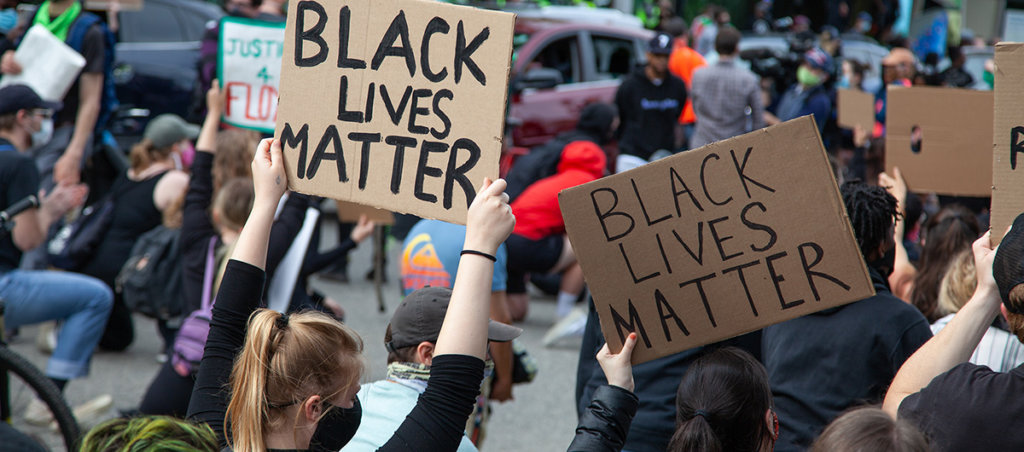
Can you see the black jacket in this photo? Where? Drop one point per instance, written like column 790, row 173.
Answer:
column 605, row 423
column 824, row 363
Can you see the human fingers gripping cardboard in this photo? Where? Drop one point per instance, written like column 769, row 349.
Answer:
column 489, row 220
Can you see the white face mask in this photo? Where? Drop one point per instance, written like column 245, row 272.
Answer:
column 44, row 134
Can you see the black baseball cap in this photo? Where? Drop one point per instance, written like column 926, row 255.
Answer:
column 21, row 97
column 660, row 44
column 420, row 315
column 1008, row 265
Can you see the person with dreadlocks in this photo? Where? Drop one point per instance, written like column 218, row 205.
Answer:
column 822, row 364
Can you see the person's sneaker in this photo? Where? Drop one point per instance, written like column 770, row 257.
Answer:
column 570, row 326
column 46, row 338
column 90, row 413
column 37, row 413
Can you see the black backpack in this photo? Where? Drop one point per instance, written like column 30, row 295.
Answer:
column 150, row 282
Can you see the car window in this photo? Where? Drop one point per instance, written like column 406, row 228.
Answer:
column 561, row 54
column 614, row 57
column 156, row 22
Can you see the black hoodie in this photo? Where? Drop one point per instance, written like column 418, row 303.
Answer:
column 649, row 113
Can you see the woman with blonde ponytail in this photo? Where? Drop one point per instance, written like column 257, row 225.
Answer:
column 293, row 378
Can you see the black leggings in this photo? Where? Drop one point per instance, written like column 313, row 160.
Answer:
column 168, row 394
column 120, row 331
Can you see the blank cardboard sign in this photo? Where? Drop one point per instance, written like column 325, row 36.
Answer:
column 941, row 139
column 398, row 104
column 1008, row 136
column 716, row 242
column 856, row 108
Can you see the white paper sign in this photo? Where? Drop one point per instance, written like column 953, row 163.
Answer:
column 249, row 70
column 48, row 65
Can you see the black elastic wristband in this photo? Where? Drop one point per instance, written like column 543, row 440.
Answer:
column 478, row 253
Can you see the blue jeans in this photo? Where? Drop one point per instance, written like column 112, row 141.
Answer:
column 82, row 302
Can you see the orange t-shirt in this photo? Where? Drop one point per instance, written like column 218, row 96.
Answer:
column 681, row 63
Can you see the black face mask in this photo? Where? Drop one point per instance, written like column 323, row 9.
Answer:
column 336, row 428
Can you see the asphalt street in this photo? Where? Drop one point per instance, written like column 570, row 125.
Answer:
column 540, row 418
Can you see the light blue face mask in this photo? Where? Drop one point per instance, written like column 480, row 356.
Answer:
column 843, row 82
column 44, row 134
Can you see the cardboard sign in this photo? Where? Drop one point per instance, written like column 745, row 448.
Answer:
column 398, row 104
column 716, row 242
column 856, row 107
column 349, row 212
column 249, row 69
column 941, row 139
column 1008, row 136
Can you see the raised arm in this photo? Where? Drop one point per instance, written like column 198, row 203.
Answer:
column 957, row 341
column 270, row 182
column 488, row 224
column 438, row 420
column 197, row 225
column 605, row 423
column 240, row 292
column 903, row 271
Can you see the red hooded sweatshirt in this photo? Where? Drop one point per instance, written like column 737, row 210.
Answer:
column 536, row 210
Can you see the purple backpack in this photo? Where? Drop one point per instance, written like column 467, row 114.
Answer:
column 191, row 339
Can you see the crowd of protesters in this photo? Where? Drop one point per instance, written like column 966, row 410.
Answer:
column 254, row 360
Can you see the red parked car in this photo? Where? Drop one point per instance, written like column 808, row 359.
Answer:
column 560, row 67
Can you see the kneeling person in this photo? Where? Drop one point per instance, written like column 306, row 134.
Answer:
column 410, row 340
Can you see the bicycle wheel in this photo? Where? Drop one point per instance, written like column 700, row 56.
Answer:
column 20, row 384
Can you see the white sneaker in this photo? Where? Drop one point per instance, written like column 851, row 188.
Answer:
column 571, row 326
column 46, row 338
column 90, row 413
column 37, row 413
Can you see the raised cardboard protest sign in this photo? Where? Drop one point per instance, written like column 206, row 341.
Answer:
column 1008, row 136
column 716, row 242
column 249, row 70
column 123, row 5
column 856, row 107
column 398, row 104
column 941, row 139
column 349, row 212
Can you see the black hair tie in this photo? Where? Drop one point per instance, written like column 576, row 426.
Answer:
column 701, row 413
column 479, row 253
column 282, row 321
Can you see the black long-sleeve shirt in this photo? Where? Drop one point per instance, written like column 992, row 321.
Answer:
column 435, row 424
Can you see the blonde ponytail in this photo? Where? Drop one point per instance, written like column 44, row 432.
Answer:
column 285, row 360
